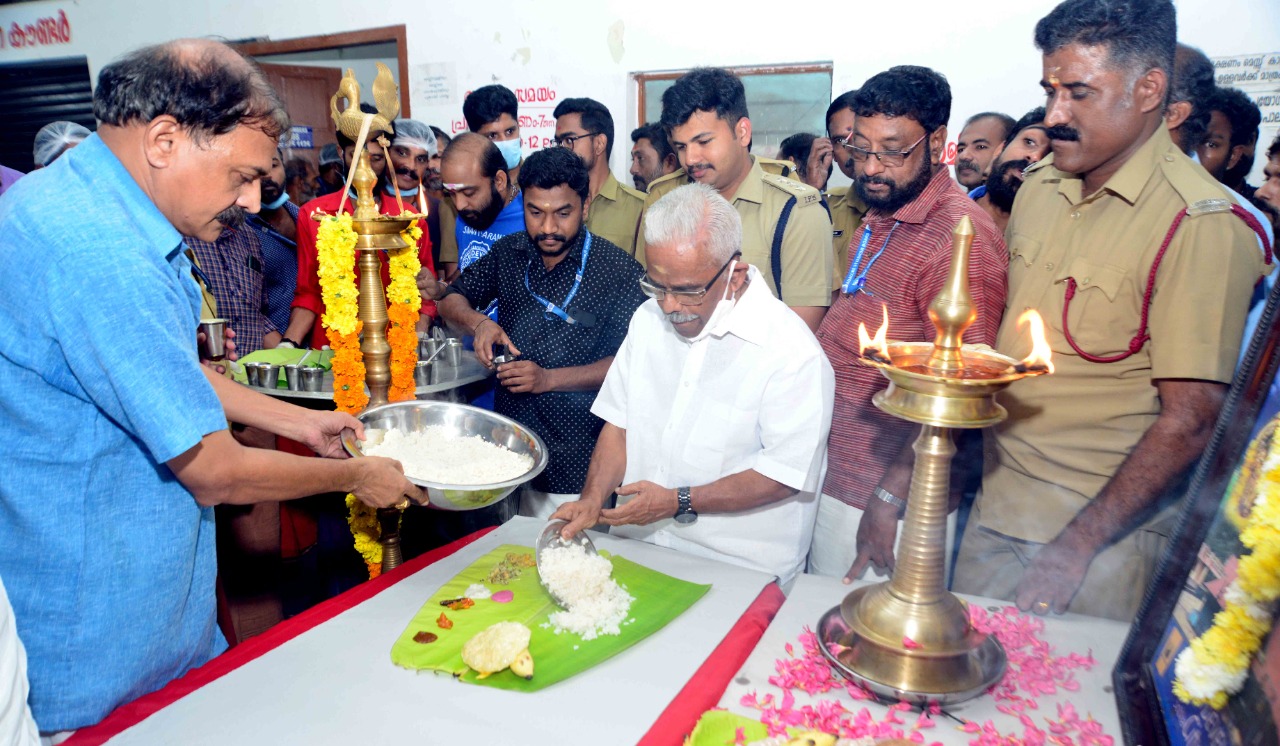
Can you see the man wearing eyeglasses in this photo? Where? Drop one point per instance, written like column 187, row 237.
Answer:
column 585, row 126
column 898, row 261
column 716, row 408
column 785, row 229
column 564, row 297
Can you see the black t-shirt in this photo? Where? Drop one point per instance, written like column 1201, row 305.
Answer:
column 603, row 304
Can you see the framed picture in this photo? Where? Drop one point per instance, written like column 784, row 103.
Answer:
column 1201, row 561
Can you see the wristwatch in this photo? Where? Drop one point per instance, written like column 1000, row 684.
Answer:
column 685, row 513
column 884, row 495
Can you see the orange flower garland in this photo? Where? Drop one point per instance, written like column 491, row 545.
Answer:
column 403, row 304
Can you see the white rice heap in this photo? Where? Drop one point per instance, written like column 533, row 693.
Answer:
column 434, row 454
column 596, row 604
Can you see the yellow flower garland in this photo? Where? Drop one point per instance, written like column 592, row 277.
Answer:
column 1216, row 664
column 335, row 246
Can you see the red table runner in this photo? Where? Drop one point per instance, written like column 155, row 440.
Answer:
column 128, row 715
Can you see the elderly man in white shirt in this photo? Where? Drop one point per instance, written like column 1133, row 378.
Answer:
column 716, row 408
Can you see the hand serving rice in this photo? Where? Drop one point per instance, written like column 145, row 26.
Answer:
column 434, row 454
column 595, row 603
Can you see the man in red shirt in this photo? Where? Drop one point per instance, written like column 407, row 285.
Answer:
column 899, row 258
column 308, row 307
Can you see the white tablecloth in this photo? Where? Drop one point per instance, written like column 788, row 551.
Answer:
column 335, row 684
column 813, row 596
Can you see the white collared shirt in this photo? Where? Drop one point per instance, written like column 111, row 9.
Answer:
column 757, row 394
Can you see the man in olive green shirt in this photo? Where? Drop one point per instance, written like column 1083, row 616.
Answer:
column 786, row 232
column 1069, row 513
column 585, row 126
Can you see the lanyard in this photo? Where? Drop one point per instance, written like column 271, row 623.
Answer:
column 549, row 308
column 854, row 280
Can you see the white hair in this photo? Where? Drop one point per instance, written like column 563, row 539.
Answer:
column 695, row 217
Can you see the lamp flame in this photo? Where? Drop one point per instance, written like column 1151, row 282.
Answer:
column 1041, row 357
column 876, row 347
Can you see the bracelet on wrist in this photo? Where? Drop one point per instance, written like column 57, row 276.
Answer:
column 884, row 495
column 479, row 323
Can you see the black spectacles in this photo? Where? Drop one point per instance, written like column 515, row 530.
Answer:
column 567, row 141
column 683, row 297
column 889, row 158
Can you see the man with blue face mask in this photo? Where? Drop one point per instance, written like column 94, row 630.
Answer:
column 716, row 408
column 491, row 111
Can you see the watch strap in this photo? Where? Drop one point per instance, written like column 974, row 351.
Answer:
column 884, row 495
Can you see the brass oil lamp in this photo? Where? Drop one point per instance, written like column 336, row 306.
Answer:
column 375, row 233
column 909, row 638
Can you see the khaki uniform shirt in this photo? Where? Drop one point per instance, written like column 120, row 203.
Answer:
column 847, row 210
column 807, row 260
column 614, row 214
column 1068, row 432
column 208, row 305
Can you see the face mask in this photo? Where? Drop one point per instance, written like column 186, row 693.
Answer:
column 403, row 192
column 510, row 151
column 283, row 198
column 723, row 309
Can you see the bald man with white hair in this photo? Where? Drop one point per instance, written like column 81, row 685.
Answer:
column 717, row 406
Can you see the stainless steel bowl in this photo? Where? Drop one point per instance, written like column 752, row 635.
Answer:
column 460, row 419
column 549, row 538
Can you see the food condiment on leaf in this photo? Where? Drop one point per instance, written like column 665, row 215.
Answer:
column 444, row 622
column 502, row 645
column 425, row 637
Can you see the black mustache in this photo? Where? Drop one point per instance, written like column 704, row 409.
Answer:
column 550, row 237
column 233, row 217
column 1063, row 132
column 964, row 163
column 407, row 172
column 864, row 179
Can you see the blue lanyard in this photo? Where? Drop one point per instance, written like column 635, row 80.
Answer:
column 549, row 308
column 854, row 280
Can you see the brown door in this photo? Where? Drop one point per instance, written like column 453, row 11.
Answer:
column 306, row 92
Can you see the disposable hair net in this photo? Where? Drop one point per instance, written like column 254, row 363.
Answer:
column 54, row 138
column 414, row 134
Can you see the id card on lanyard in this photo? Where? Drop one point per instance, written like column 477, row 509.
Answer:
column 855, row 280
column 549, row 308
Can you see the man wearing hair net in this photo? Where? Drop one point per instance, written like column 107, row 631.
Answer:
column 411, row 151
column 54, row 139
column 331, row 176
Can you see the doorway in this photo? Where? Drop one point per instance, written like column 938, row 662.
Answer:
column 306, row 71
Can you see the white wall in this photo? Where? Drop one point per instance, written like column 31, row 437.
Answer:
column 588, row 49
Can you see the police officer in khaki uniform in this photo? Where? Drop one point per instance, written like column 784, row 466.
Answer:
column 585, row 126
column 786, row 232
column 1093, row 450
column 846, row 207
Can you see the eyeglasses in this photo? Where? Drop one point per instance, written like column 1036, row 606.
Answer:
column 888, row 158
column 567, row 141
column 683, row 297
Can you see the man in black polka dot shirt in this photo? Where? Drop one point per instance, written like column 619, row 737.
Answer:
column 565, row 297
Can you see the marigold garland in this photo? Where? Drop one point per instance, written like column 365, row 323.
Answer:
column 367, row 533
column 1216, row 664
column 335, row 246
column 403, row 304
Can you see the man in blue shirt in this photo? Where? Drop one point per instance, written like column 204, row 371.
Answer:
column 486, row 197
column 117, row 451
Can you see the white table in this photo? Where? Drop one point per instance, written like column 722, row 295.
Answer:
column 335, row 684
column 813, row 596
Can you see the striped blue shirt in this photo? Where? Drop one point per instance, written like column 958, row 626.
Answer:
column 108, row 559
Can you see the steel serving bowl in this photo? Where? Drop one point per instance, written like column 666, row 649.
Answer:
column 460, row 420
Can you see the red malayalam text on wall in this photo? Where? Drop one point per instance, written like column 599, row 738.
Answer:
column 948, row 155
column 42, row 32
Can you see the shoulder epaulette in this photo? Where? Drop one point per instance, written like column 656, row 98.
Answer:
column 661, row 186
column 804, row 194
